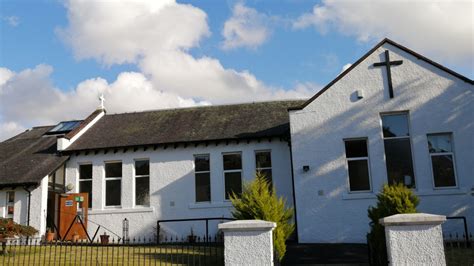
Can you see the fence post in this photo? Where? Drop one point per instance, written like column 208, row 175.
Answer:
column 414, row 239
column 248, row 242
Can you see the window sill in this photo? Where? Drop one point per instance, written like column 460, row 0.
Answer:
column 443, row 191
column 120, row 210
column 208, row 205
column 358, row 195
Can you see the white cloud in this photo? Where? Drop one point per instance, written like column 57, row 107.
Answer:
column 154, row 35
column 151, row 36
column 9, row 129
column 441, row 28
column 12, row 20
column 345, row 67
column 29, row 98
column 245, row 28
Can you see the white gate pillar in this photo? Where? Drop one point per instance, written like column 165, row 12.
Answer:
column 248, row 242
column 414, row 239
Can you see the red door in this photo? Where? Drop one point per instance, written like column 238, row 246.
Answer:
column 72, row 207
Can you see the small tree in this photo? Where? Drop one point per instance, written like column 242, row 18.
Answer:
column 393, row 199
column 8, row 228
column 259, row 201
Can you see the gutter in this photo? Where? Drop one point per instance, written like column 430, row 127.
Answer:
column 29, row 205
column 293, row 187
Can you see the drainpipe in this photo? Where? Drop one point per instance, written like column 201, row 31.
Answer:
column 29, row 205
column 293, row 187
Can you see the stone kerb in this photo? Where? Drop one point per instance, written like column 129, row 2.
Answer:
column 248, row 242
column 414, row 239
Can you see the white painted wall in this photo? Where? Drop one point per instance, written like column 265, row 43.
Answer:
column 436, row 101
column 414, row 239
column 172, row 183
column 248, row 242
column 38, row 206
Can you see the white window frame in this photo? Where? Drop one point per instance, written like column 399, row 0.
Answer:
column 79, row 180
column 8, row 204
column 264, row 168
column 203, row 172
column 358, row 159
column 112, row 178
column 234, row 170
column 443, row 153
column 407, row 114
column 135, row 181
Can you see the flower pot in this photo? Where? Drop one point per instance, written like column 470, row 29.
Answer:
column 50, row 236
column 104, row 239
column 75, row 238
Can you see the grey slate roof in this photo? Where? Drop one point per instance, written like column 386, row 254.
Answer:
column 184, row 125
column 28, row 157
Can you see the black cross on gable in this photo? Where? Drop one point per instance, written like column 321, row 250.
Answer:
column 387, row 64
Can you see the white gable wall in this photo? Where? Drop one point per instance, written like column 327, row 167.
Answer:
column 172, row 183
column 436, row 101
column 39, row 197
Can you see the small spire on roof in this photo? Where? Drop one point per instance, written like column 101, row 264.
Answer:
column 102, row 100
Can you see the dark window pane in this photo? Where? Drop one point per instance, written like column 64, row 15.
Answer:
column 113, row 189
column 203, row 187
column 356, row 148
column 113, row 169
column 86, row 187
column 395, row 125
column 85, row 171
column 232, row 161
column 359, row 175
column 10, row 210
column 443, row 170
column 399, row 162
column 263, row 159
column 201, row 163
column 142, row 167
column 142, row 191
column 439, row 143
column 268, row 175
column 233, row 183
column 11, row 196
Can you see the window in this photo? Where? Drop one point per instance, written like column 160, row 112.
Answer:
column 440, row 147
column 202, row 178
column 232, row 174
column 10, row 204
column 358, row 164
column 113, row 184
column 263, row 161
column 397, row 145
column 85, row 181
column 142, row 182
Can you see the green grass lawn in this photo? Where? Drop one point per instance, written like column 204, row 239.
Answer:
column 113, row 255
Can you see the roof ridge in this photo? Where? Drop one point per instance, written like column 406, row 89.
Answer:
column 208, row 106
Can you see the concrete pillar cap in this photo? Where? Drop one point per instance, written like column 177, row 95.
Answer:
column 413, row 219
column 247, row 225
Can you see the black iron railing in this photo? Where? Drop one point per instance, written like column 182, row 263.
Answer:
column 136, row 251
column 158, row 227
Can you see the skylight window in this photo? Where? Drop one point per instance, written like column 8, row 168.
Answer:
column 64, row 127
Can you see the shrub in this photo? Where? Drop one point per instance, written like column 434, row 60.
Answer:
column 259, row 201
column 8, row 228
column 393, row 199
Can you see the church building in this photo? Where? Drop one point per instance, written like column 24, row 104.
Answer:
column 393, row 116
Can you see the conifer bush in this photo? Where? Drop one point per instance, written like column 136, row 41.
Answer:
column 393, row 199
column 259, row 201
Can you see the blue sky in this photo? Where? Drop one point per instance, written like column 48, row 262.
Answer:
column 289, row 57
column 207, row 52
